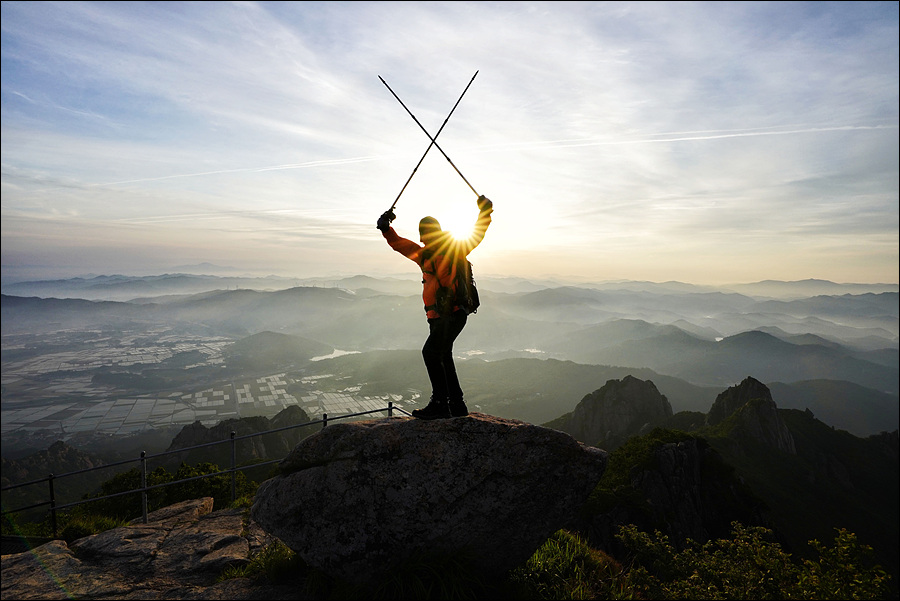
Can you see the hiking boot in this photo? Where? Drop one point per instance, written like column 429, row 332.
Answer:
column 434, row 410
column 458, row 408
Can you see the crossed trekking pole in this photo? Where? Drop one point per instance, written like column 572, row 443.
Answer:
column 433, row 139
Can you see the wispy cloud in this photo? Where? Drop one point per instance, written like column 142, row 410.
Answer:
column 620, row 138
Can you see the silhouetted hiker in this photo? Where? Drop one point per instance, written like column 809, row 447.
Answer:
column 438, row 259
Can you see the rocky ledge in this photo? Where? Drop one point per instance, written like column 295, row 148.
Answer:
column 178, row 554
column 354, row 500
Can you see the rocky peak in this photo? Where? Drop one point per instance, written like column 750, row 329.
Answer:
column 755, row 415
column 268, row 446
column 360, row 499
column 619, row 410
column 59, row 458
column 735, row 397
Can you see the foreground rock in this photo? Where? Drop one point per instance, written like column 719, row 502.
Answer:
column 358, row 500
column 178, row 554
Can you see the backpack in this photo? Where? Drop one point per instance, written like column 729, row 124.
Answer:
column 466, row 297
column 466, row 292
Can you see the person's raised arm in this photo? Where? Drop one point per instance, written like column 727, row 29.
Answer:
column 405, row 247
column 485, row 208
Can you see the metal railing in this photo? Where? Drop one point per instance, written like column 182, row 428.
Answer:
column 143, row 459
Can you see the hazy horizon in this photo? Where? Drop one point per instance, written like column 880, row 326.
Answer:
column 548, row 279
column 706, row 143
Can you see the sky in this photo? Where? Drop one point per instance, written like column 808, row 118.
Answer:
column 701, row 142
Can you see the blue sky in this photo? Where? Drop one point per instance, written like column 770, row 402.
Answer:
column 705, row 142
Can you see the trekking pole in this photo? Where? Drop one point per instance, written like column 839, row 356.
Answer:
column 433, row 142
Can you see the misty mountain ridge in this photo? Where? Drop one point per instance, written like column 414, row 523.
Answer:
column 567, row 323
column 187, row 280
column 696, row 339
column 864, row 320
column 868, row 314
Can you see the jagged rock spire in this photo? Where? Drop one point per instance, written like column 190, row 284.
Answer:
column 756, row 414
column 619, row 410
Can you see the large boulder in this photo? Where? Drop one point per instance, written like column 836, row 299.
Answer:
column 358, row 500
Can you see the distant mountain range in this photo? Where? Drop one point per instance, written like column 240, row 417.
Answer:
column 187, row 280
column 836, row 354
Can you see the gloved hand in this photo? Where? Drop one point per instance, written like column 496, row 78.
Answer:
column 384, row 222
column 484, row 205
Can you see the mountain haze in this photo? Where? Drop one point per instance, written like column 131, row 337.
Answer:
column 689, row 340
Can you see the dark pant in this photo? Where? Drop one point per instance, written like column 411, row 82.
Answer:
column 438, row 355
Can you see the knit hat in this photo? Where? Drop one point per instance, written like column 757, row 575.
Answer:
column 429, row 225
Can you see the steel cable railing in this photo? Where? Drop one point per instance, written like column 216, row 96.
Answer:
column 144, row 458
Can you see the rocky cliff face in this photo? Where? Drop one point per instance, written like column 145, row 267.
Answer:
column 685, row 490
column 619, row 410
column 359, row 500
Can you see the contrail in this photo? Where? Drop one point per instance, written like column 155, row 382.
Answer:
column 682, row 137
column 739, row 135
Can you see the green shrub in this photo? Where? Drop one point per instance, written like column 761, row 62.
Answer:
column 750, row 566
column 129, row 506
column 13, row 525
column 79, row 526
column 565, row 567
column 244, row 501
column 276, row 562
column 637, row 453
column 218, row 487
column 844, row 571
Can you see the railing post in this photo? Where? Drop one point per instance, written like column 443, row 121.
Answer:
column 390, row 409
column 324, row 420
column 52, row 505
column 144, row 486
column 233, row 468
